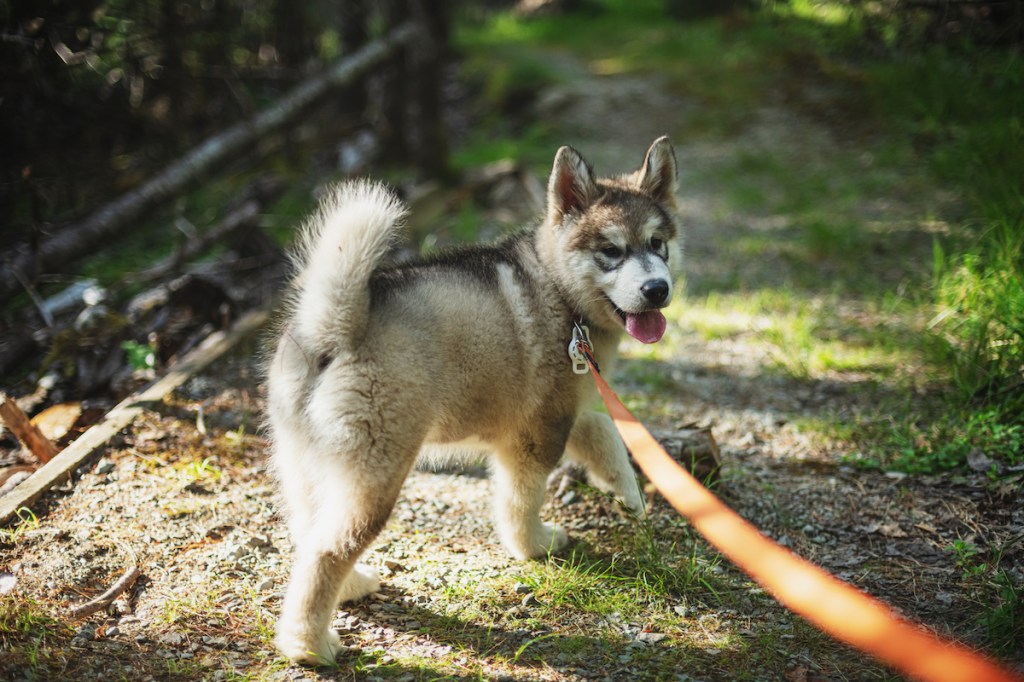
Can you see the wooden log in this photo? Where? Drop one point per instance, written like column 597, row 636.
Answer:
column 696, row 449
column 76, row 240
column 27, row 432
column 124, row 413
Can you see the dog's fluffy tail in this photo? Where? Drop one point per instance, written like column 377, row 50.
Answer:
column 339, row 247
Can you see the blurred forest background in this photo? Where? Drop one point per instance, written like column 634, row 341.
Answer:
column 97, row 97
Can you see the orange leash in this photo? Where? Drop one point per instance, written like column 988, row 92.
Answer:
column 842, row 611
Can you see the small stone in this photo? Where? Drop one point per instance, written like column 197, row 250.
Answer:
column 522, row 588
column 413, row 625
column 258, row 540
column 104, row 467
column 120, row 606
column 394, row 566
column 570, row 497
column 651, row 637
column 8, row 582
column 265, row 585
column 112, row 631
column 171, row 638
column 530, row 600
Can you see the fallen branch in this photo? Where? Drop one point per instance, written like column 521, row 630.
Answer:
column 245, row 214
column 27, row 432
column 103, row 601
column 124, row 413
column 109, row 220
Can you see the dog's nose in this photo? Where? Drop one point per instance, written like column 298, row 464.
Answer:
column 655, row 291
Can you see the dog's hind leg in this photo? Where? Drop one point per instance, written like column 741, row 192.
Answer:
column 519, row 484
column 595, row 444
column 351, row 508
column 289, row 469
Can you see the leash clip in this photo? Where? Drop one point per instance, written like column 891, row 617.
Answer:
column 581, row 349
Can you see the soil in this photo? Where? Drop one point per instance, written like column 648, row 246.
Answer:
column 184, row 494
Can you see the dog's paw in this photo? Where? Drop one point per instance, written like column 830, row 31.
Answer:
column 554, row 538
column 632, row 501
column 547, row 538
column 361, row 581
column 305, row 648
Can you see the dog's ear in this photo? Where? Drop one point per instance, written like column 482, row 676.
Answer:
column 657, row 176
column 571, row 186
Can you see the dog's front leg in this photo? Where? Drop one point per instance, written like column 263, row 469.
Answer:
column 519, row 481
column 595, row 444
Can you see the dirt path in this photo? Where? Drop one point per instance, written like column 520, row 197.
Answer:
column 195, row 509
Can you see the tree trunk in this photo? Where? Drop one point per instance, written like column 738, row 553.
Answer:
column 432, row 140
column 354, row 34
column 394, row 128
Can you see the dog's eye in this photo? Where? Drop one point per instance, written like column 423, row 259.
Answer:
column 612, row 251
column 656, row 243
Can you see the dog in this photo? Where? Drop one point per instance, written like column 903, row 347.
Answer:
column 467, row 348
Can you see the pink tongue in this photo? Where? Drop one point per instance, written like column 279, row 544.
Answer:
column 647, row 327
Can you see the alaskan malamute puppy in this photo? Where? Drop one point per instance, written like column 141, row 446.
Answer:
column 468, row 347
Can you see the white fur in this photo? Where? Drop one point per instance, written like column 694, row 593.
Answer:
column 354, row 227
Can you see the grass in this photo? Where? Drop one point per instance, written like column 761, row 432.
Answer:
column 28, row 633
column 26, row 522
column 992, row 584
column 805, row 337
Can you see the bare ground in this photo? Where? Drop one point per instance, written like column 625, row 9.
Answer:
column 195, row 509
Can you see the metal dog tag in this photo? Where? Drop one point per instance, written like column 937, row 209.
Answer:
column 580, row 335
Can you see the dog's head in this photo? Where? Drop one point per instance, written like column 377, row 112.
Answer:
column 613, row 244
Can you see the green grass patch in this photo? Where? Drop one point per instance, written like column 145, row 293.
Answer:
column 27, row 521
column 29, row 634
column 806, row 338
column 965, row 106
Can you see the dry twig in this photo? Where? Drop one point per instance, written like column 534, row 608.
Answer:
column 103, row 601
column 27, row 432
